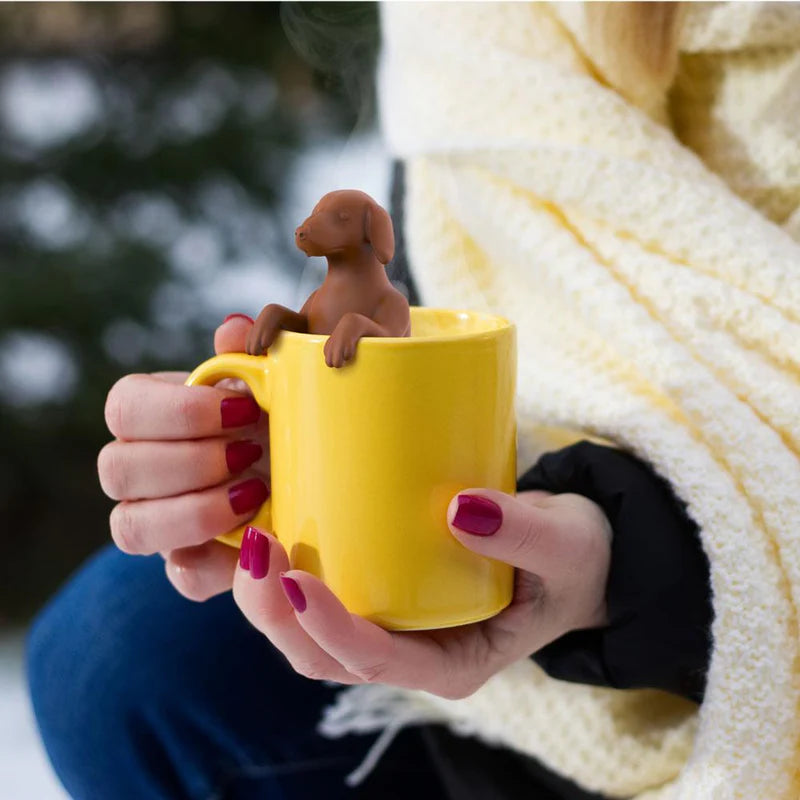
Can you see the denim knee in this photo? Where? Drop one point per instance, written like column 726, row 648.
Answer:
column 98, row 685
column 140, row 693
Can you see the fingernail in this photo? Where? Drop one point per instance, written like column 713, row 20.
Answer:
column 240, row 455
column 247, row 495
column 238, row 411
column 244, row 553
column 477, row 515
column 243, row 316
column 259, row 554
column 294, row 593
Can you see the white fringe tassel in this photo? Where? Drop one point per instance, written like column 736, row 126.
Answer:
column 374, row 707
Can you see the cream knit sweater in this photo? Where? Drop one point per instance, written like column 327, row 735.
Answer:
column 653, row 271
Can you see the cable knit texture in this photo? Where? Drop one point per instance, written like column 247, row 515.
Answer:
column 653, row 272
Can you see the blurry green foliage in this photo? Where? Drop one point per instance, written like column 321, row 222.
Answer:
column 194, row 122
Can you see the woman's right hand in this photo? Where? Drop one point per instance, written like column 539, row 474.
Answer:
column 188, row 463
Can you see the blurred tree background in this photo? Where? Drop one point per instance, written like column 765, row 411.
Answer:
column 147, row 153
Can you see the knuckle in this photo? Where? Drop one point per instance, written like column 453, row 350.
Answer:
column 187, row 412
column 371, row 673
column 112, row 469
column 470, row 688
column 526, row 543
column 188, row 581
column 458, row 677
column 201, row 513
column 459, row 691
column 314, row 670
column 126, row 530
column 115, row 408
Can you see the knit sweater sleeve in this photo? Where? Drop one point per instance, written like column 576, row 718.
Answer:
column 655, row 308
column 658, row 592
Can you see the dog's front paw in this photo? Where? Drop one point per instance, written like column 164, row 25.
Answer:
column 259, row 339
column 340, row 348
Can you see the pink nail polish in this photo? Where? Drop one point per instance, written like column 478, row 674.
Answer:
column 242, row 316
column 247, row 495
column 238, row 411
column 259, row 554
column 293, row 593
column 240, row 455
column 244, row 553
column 477, row 515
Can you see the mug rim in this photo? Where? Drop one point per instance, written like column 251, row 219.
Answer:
column 498, row 326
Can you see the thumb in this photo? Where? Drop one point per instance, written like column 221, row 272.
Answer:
column 504, row 527
column 563, row 539
column 231, row 336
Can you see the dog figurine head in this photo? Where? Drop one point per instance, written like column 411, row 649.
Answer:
column 343, row 223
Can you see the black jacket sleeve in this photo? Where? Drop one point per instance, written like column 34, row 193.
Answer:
column 658, row 591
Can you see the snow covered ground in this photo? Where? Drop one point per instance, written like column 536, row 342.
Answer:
column 25, row 773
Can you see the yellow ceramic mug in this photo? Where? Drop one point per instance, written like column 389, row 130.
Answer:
column 365, row 459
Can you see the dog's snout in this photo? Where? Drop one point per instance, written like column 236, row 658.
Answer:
column 300, row 233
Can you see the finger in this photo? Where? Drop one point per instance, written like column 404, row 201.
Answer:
column 231, row 336
column 500, row 526
column 414, row 660
column 258, row 592
column 547, row 539
column 146, row 470
column 170, row 377
column 143, row 527
column 202, row 572
column 145, row 407
column 234, row 384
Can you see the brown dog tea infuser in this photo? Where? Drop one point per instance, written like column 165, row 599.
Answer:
column 357, row 298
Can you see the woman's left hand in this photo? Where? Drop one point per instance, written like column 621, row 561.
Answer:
column 560, row 545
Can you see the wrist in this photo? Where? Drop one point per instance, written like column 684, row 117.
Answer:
column 584, row 599
column 596, row 607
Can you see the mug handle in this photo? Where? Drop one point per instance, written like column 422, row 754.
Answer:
column 255, row 372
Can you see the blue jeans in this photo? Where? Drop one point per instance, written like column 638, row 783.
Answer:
column 142, row 694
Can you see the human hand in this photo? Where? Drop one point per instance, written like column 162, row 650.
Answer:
column 188, row 463
column 560, row 545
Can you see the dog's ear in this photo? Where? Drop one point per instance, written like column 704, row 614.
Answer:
column 378, row 232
